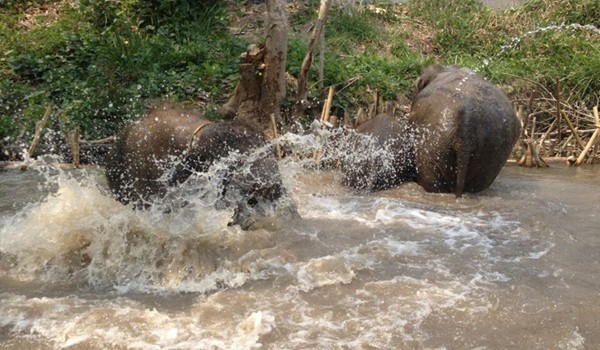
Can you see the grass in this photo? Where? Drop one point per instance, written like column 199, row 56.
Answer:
column 99, row 61
column 505, row 45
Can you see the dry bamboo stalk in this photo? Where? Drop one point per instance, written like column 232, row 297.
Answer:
column 109, row 139
column 38, row 130
column 374, row 109
column 75, row 147
column 558, row 114
column 276, row 136
column 333, row 120
column 346, row 120
column 550, row 129
column 574, row 131
column 327, row 106
column 533, row 128
column 361, row 117
column 587, row 147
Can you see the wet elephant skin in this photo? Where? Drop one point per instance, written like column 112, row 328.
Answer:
column 169, row 143
column 465, row 129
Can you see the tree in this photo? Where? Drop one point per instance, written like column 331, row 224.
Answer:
column 257, row 96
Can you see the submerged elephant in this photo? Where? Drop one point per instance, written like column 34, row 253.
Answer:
column 466, row 128
column 380, row 154
column 170, row 143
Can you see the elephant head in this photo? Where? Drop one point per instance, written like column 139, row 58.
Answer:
column 466, row 128
column 170, row 144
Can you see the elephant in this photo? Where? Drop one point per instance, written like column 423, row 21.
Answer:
column 380, row 154
column 465, row 130
column 170, row 143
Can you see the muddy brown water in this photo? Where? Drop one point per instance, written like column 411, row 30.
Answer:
column 515, row 267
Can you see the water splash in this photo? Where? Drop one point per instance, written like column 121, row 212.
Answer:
column 515, row 41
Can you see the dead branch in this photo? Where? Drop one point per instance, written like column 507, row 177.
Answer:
column 306, row 63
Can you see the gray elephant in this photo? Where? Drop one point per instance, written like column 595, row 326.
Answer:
column 166, row 146
column 380, row 154
column 465, row 127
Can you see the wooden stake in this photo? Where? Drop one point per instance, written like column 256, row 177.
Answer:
column 72, row 138
column 346, row 120
column 327, row 106
column 276, row 136
column 39, row 126
column 558, row 114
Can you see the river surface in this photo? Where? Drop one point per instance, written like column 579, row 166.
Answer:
column 514, row 267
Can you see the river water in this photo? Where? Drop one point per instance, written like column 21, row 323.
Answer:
column 514, row 267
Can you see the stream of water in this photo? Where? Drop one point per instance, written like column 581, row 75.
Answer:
column 514, row 267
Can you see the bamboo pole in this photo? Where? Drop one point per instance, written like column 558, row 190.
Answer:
column 558, row 114
column 39, row 126
column 574, row 131
column 592, row 139
column 276, row 136
column 327, row 106
column 72, row 138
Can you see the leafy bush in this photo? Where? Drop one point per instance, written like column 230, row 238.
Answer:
column 97, row 63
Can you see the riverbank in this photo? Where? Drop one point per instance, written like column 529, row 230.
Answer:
column 97, row 66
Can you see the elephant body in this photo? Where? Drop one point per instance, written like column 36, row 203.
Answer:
column 465, row 129
column 380, row 154
column 170, row 143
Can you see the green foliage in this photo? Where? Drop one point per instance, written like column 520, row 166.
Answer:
column 97, row 63
column 347, row 28
column 535, row 41
column 458, row 25
column 559, row 11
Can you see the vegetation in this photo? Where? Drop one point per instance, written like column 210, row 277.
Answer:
column 97, row 61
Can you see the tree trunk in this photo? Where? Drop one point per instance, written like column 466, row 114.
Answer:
column 244, row 102
column 273, row 84
column 303, row 76
column 257, row 97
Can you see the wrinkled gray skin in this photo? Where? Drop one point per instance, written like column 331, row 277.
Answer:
column 161, row 144
column 466, row 128
column 381, row 155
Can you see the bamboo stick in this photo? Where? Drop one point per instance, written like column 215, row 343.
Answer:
column 38, row 131
column 587, row 147
column 592, row 139
column 276, row 136
column 558, row 114
column 574, row 131
column 327, row 106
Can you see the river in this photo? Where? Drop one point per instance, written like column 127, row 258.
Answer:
column 514, row 267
